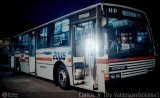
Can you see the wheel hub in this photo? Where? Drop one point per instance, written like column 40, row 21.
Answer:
column 62, row 77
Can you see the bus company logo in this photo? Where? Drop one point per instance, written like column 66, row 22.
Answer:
column 112, row 10
column 117, row 68
column 4, row 94
column 85, row 15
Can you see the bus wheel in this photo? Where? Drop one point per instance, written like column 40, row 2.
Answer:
column 63, row 78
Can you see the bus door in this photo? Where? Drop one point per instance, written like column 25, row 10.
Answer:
column 11, row 54
column 32, row 54
column 83, row 46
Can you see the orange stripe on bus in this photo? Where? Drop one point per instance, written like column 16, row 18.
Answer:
column 106, row 77
column 115, row 60
column 69, row 60
column 102, row 61
column 43, row 58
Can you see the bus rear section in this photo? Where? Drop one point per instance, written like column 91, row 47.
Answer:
column 130, row 45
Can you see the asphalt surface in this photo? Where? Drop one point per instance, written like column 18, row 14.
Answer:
column 20, row 85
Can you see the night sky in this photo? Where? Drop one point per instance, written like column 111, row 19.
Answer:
column 20, row 15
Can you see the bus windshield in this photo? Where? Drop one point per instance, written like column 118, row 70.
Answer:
column 128, row 34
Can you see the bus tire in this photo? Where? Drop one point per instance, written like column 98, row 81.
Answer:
column 63, row 77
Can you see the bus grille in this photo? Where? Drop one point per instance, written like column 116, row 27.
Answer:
column 130, row 68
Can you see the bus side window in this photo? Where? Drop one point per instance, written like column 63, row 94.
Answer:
column 18, row 43
column 43, row 40
column 61, row 33
column 25, row 41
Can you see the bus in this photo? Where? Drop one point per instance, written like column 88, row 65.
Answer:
column 88, row 47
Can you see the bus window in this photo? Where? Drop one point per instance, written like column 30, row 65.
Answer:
column 128, row 36
column 17, row 43
column 25, row 39
column 11, row 48
column 43, row 38
column 61, row 33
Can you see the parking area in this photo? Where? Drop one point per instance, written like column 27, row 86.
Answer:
column 20, row 85
column 26, row 86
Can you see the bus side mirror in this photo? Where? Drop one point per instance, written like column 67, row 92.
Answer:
column 103, row 21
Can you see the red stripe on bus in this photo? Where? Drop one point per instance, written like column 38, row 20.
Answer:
column 106, row 61
column 141, row 58
column 27, row 58
column 131, row 59
column 44, row 58
column 22, row 60
column 17, row 57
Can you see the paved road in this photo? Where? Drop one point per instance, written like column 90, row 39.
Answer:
column 26, row 86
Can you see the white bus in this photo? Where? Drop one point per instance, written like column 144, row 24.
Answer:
column 88, row 47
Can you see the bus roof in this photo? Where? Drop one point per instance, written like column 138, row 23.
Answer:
column 86, row 8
